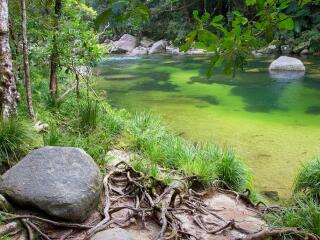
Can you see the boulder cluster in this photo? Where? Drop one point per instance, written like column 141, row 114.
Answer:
column 133, row 46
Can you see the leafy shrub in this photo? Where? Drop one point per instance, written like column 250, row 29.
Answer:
column 308, row 179
column 17, row 138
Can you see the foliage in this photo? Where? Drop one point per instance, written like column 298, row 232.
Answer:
column 308, row 179
column 17, row 138
column 232, row 39
column 304, row 215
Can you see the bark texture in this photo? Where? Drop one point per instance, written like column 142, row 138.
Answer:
column 26, row 60
column 54, row 59
column 8, row 91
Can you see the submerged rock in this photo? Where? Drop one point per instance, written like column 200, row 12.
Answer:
column 273, row 195
column 158, row 47
column 112, row 234
column 285, row 63
column 64, row 182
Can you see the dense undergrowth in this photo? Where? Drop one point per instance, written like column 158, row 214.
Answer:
column 89, row 122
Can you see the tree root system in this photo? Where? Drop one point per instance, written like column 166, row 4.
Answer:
column 150, row 209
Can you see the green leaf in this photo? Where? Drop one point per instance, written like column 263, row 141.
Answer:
column 285, row 22
column 217, row 19
column 189, row 40
column 250, row 2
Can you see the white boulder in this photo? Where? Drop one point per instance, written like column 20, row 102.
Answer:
column 285, row 63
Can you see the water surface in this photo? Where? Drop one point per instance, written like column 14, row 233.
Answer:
column 271, row 121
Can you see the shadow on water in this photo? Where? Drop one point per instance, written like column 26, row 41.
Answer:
column 314, row 110
column 209, row 99
column 260, row 98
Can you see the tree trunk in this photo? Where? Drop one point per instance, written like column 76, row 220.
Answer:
column 54, row 59
column 8, row 91
column 26, row 59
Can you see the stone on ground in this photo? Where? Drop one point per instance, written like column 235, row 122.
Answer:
column 116, row 156
column 285, row 63
column 112, row 234
column 64, row 182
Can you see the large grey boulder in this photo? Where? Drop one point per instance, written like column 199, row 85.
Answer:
column 112, row 234
column 126, row 43
column 285, row 63
column 158, row 47
column 64, row 182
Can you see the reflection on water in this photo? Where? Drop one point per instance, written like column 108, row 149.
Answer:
column 270, row 119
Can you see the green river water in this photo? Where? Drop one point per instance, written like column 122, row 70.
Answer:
column 271, row 121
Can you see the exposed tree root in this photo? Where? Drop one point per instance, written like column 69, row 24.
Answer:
column 140, row 199
column 274, row 232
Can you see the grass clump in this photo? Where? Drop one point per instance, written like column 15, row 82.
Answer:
column 17, row 138
column 146, row 135
column 231, row 170
column 88, row 114
column 308, row 179
column 303, row 215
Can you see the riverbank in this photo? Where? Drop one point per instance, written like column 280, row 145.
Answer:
column 269, row 122
column 160, row 156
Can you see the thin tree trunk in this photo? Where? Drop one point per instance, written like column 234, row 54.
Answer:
column 77, row 85
column 54, row 59
column 8, row 91
column 26, row 60
column 15, row 54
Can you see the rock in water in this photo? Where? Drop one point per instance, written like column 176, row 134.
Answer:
column 126, row 43
column 285, row 63
column 158, row 47
column 64, row 182
column 112, row 234
column 139, row 51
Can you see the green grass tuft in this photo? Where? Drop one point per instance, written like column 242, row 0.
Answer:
column 308, row 179
column 17, row 138
column 88, row 114
column 231, row 170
